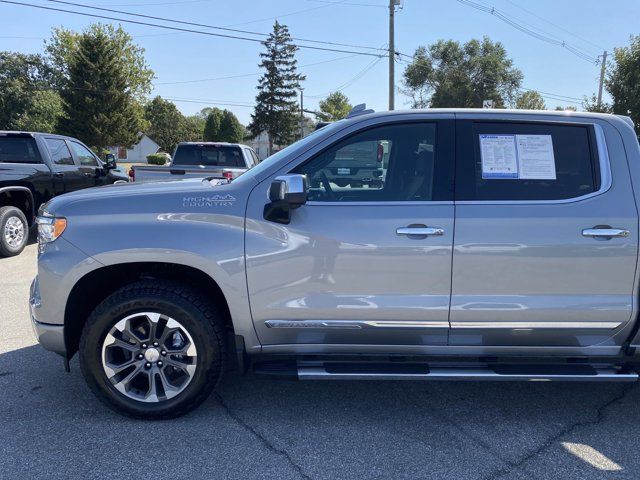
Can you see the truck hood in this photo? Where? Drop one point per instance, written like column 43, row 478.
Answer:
column 135, row 196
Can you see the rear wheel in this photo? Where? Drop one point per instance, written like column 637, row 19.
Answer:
column 14, row 231
column 153, row 350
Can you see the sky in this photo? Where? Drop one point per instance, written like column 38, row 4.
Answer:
column 189, row 66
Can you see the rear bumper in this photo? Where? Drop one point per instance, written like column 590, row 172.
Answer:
column 49, row 336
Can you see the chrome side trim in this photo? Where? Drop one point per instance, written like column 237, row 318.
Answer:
column 536, row 325
column 354, row 324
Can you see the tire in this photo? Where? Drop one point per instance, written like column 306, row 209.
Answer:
column 14, row 231
column 201, row 325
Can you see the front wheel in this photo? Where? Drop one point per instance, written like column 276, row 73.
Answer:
column 153, row 350
column 14, row 231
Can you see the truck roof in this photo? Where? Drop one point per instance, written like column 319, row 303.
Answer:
column 20, row 133
column 226, row 144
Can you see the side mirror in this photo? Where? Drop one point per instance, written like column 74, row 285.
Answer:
column 110, row 161
column 286, row 193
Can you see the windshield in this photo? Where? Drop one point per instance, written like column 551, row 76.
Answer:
column 208, row 156
column 301, row 145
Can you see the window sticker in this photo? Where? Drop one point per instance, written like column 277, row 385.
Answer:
column 522, row 157
column 499, row 157
column 535, row 157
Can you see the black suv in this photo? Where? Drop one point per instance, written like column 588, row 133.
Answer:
column 35, row 167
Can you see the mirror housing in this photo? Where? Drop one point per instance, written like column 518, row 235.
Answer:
column 110, row 161
column 286, row 193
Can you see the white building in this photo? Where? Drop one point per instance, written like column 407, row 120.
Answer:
column 138, row 153
column 261, row 145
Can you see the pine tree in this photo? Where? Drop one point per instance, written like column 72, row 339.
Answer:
column 276, row 110
column 98, row 105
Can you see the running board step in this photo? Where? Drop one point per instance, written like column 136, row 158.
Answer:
column 532, row 373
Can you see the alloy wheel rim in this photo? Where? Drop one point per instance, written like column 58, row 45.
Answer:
column 14, row 232
column 149, row 357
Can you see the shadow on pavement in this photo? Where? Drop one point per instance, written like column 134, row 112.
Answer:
column 52, row 426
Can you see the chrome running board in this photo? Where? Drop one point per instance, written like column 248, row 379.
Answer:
column 542, row 373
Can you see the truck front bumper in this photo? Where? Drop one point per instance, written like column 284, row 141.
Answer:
column 49, row 336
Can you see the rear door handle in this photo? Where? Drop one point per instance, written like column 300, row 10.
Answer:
column 604, row 232
column 58, row 174
column 420, row 231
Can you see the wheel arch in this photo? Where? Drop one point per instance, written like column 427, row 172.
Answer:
column 21, row 198
column 98, row 284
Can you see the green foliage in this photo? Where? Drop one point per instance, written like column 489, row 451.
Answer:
column 590, row 104
column 99, row 107
column 165, row 121
column 212, row 124
column 191, row 129
column 448, row 74
column 530, row 100
column 623, row 81
column 231, row 130
column 28, row 100
column 335, row 107
column 64, row 44
column 157, row 158
column 276, row 110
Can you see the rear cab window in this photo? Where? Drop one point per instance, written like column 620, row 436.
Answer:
column 208, row 156
column 19, row 149
column 526, row 161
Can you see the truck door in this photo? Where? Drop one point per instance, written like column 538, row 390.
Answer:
column 88, row 165
column 367, row 265
column 67, row 177
column 545, row 242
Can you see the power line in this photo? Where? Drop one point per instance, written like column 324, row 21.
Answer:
column 250, row 74
column 166, row 27
column 204, row 25
column 354, row 79
column 545, row 38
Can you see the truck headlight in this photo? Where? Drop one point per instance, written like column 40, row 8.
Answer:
column 50, row 228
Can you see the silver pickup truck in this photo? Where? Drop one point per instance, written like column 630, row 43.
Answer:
column 199, row 160
column 498, row 245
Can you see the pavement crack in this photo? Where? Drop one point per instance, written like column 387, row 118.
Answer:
column 600, row 416
column 265, row 441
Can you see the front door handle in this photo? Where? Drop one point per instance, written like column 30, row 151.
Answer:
column 421, row 231
column 604, row 232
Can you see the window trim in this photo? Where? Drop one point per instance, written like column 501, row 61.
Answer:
column 404, row 121
column 603, row 163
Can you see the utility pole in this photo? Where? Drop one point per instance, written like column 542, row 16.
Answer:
column 392, row 53
column 301, row 113
column 603, row 67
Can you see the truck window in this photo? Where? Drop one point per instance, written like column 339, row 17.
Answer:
column 85, row 156
column 525, row 161
column 389, row 163
column 208, row 156
column 60, row 154
column 19, row 150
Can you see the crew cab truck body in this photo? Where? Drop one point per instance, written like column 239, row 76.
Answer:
column 499, row 245
column 198, row 160
column 34, row 167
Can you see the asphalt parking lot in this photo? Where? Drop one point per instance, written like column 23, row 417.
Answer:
column 52, row 426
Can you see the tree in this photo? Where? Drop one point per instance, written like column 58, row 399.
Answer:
column 335, row 107
column 166, row 123
column 590, row 104
column 191, row 129
column 530, row 100
column 212, row 124
column 64, row 44
column 448, row 74
column 276, row 110
column 623, row 81
column 568, row 108
column 231, row 130
column 28, row 100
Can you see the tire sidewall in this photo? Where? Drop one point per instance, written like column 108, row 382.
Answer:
column 5, row 214
column 209, row 357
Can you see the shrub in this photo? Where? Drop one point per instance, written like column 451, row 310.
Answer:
column 157, row 158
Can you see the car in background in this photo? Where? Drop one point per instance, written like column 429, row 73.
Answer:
column 34, row 167
column 198, row 160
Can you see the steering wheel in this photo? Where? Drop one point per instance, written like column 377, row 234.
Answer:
column 327, row 186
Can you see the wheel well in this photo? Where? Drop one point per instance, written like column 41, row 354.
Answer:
column 99, row 284
column 20, row 199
